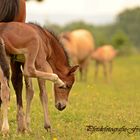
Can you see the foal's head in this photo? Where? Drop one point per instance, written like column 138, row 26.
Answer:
column 62, row 93
column 60, row 65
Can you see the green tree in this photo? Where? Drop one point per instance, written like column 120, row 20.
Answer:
column 122, row 43
column 129, row 21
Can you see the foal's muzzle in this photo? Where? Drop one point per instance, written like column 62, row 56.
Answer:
column 60, row 106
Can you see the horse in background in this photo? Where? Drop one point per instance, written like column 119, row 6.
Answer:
column 104, row 55
column 41, row 50
column 79, row 44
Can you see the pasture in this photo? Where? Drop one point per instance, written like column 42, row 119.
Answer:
column 90, row 103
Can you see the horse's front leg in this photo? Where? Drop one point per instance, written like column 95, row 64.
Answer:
column 29, row 97
column 18, row 84
column 44, row 101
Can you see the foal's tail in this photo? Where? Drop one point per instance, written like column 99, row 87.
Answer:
column 3, row 60
column 8, row 10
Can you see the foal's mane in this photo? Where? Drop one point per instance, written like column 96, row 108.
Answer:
column 8, row 10
column 54, row 36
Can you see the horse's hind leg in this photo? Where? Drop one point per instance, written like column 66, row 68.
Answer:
column 29, row 97
column 5, row 96
column 17, row 84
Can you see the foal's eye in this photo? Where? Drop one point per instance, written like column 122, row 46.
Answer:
column 68, row 86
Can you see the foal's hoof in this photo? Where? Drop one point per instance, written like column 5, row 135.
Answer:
column 61, row 84
column 48, row 128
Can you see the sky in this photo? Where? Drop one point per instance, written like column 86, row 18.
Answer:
column 65, row 11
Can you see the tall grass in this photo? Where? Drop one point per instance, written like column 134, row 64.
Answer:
column 115, row 104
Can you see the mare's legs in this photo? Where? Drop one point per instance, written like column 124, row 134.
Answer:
column 17, row 84
column 96, row 69
column 29, row 97
column 85, row 69
column 81, row 72
column 5, row 96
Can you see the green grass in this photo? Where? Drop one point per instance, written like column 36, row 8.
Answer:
column 97, row 103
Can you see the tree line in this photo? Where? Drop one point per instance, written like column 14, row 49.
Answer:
column 123, row 34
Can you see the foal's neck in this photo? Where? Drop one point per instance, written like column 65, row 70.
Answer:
column 58, row 59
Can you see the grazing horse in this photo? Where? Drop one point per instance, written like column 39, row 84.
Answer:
column 79, row 44
column 104, row 55
column 41, row 50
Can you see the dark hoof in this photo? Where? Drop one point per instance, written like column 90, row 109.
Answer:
column 48, row 128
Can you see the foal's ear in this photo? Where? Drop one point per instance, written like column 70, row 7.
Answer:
column 73, row 69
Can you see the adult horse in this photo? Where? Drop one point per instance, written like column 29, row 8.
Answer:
column 41, row 50
column 79, row 44
column 104, row 55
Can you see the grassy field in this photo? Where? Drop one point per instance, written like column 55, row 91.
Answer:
column 114, row 105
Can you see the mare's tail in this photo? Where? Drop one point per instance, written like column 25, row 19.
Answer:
column 8, row 10
column 4, row 60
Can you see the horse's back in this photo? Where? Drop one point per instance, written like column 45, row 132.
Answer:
column 104, row 53
column 17, row 35
column 84, row 43
column 83, row 39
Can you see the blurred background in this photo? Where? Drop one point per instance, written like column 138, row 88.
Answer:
column 110, row 22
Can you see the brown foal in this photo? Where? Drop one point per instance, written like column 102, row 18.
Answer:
column 42, row 51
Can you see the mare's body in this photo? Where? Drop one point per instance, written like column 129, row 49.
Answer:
column 79, row 44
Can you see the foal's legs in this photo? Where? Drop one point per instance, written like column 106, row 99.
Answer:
column 29, row 66
column 43, row 95
column 44, row 101
column 105, row 71
column 17, row 84
column 29, row 97
column 5, row 96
